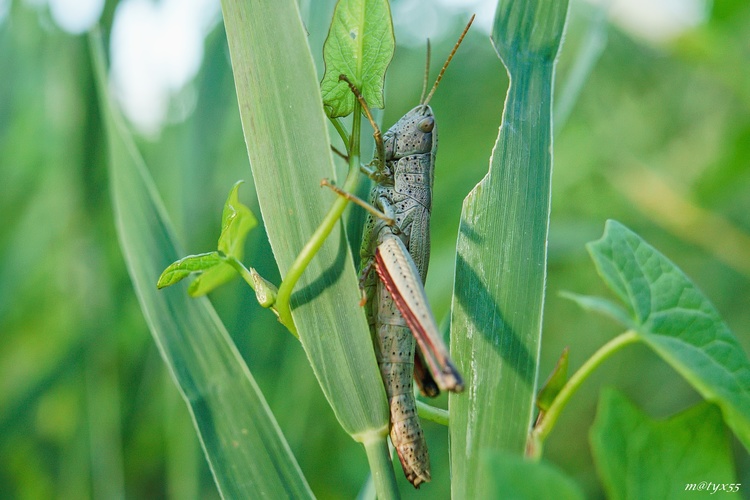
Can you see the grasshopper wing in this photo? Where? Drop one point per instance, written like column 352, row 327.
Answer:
column 397, row 270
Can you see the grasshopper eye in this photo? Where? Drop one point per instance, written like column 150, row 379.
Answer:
column 427, row 124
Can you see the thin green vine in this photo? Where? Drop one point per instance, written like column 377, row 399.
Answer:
column 547, row 421
column 324, row 229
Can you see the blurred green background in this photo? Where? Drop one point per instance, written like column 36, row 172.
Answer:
column 658, row 138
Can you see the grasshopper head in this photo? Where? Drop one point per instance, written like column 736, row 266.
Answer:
column 413, row 134
column 416, row 131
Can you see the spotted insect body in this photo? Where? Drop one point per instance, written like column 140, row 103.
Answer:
column 395, row 255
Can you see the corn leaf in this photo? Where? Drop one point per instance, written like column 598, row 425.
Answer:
column 502, row 251
column 248, row 455
column 289, row 148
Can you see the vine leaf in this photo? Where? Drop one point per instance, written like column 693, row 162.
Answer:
column 677, row 321
column 236, row 221
column 638, row 457
column 360, row 45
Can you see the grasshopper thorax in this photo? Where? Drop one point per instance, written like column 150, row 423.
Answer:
column 415, row 133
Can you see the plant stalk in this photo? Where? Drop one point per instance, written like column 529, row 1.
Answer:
column 432, row 413
column 381, row 468
column 548, row 419
column 324, row 229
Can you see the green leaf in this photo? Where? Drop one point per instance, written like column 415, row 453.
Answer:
column 211, row 279
column 289, row 149
column 181, row 269
column 360, row 45
column 601, row 306
column 505, row 475
column 236, row 221
column 554, row 384
column 638, row 457
column 248, row 456
column 501, row 252
column 677, row 321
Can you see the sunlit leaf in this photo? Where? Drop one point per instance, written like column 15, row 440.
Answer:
column 360, row 45
column 181, row 269
column 236, row 221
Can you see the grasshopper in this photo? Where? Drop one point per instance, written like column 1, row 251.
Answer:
column 396, row 245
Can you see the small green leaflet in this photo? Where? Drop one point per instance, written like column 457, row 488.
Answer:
column 360, row 45
column 236, row 221
column 186, row 266
column 554, row 383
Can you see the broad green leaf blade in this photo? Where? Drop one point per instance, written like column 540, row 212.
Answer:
column 181, row 269
column 506, row 475
column 247, row 454
column 502, row 251
column 677, row 321
column 289, row 148
column 638, row 457
column 601, row 306
column 360, row 45
column 236, row 221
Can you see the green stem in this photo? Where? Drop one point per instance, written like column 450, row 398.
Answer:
column 241, row 269
column 431, row 413
column 381, row 468
column 548, row 420
column 342, row 133
column 324, row 229
column 265, row 291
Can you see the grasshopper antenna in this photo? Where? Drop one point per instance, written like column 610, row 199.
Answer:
column 426, row 74
column 448, row 61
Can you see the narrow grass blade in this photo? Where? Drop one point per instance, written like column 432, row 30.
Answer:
column 502, row 250
column 289, row 149
column 243, row 444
